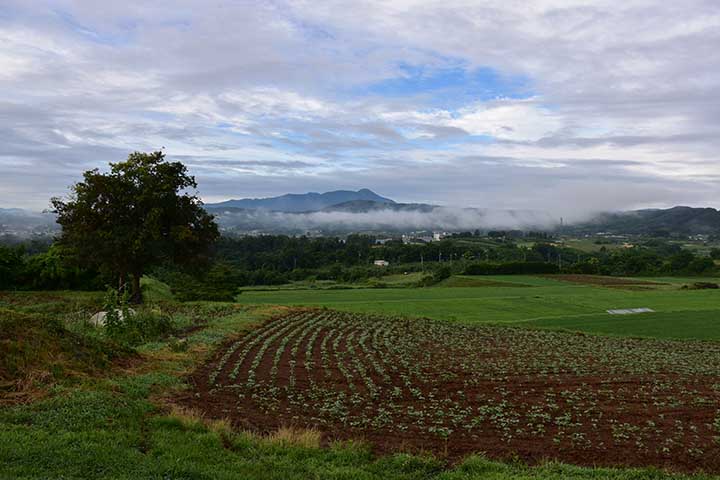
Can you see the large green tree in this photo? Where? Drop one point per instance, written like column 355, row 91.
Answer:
column 139, row 214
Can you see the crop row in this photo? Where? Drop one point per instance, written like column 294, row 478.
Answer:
column 423, row 377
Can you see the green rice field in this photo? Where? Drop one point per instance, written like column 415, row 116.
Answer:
column 531, row 301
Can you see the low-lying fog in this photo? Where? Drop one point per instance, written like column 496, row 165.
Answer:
column 438, row 218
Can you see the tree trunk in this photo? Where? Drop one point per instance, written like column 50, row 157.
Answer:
column 121, row 283
column 136, row 294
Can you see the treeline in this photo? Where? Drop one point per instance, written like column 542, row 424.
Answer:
column 33, row 268
column 645, row 261
column 283, row 254
column 278, row 259
column 630, row 262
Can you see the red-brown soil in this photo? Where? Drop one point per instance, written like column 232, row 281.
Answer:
column 423, row 386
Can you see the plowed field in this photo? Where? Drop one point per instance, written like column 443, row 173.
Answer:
column 422, row 385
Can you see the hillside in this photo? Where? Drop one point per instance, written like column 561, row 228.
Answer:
column 38, row 350
column 679, row 220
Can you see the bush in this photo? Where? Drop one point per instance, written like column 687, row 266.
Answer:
column 219, row 283
column 128, row 327
column 701, row 265
column 142, row 327
column 679, row 263
column 438, row 276
column 426, row 281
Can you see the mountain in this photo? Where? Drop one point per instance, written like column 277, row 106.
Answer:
column 305, row 202
column 364, row 206
column 345, row 211
column 372, row 216
column 678, row 220
column 302, row 213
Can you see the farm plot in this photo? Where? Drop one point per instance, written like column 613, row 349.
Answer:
column 603, row 281
column 423, row 385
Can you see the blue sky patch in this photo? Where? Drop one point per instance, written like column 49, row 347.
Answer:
column 91, row 34
column 451, row 88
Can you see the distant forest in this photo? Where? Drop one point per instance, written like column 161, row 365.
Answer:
column 278, row 259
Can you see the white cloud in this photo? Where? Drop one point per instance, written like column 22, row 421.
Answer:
column 508, row 121
column 281, row 88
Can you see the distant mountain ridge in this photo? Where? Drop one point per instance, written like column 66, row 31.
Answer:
column 346, row 211
column 304, row 202
column 363, row 206
column 679, row 220
column 299, row 207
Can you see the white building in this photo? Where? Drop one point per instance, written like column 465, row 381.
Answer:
column 381, row 263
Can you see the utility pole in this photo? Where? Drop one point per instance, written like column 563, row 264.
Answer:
column 422, row 263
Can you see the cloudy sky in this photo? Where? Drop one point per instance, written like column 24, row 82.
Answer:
column 565, row 105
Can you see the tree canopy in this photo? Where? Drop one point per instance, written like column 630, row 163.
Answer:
column 139, row 214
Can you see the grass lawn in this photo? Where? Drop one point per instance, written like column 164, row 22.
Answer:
column 690, row 324
column 543, row 301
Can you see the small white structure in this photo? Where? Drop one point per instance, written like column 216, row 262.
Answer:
column 99, row 318
column 381, row 263
column 630, row 311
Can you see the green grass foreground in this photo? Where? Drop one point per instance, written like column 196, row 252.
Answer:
column 530, row 301
column 119, row 426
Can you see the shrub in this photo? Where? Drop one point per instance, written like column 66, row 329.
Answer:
column 140, row 327
column 701, row 265
column 442, row 273
column 438, row 276
column 219, row 283
column 128, row 327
